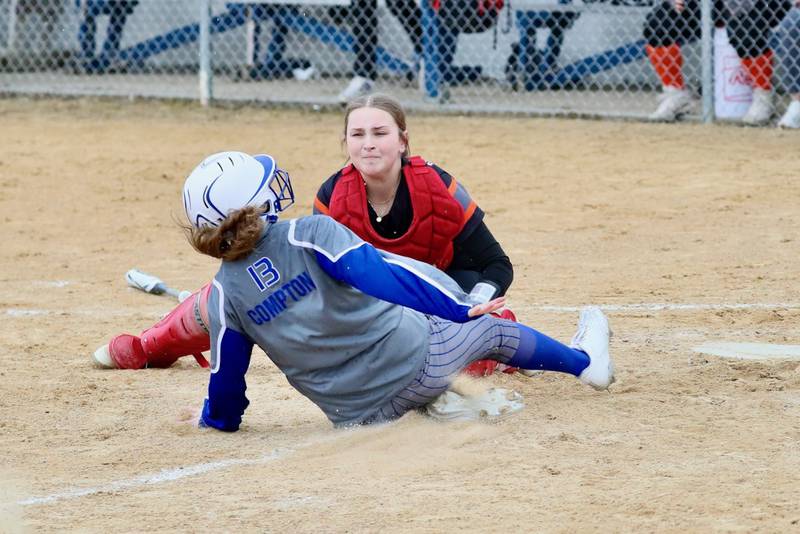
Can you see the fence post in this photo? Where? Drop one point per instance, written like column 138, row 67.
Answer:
column 204, row 72
column 11, row 36
column 707, row 59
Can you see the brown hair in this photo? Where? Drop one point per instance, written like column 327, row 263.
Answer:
column 234, row 239
column 382, row 102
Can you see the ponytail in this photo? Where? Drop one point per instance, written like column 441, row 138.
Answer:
column 232, row 240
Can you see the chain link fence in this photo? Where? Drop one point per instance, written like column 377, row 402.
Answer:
column 619, row 58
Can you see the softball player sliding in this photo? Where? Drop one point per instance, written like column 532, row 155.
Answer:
column 365, row 334
column 396, row 202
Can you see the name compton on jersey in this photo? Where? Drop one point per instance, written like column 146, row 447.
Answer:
column 275, row 304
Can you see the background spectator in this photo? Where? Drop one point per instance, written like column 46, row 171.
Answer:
column 36, row 46
column 117, row 11
column 364, row 21
column 455, row 18
column 676, row 22
column 275, row 64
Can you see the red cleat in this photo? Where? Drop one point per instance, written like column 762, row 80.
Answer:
column 506, row 314
column 480, row 368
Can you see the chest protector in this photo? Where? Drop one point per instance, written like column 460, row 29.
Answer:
column 437, row 219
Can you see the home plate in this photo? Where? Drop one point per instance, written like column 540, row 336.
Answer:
column 750, row 351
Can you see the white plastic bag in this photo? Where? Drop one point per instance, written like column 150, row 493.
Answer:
column 733, row 91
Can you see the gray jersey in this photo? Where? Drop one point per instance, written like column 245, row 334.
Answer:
column 294, row 296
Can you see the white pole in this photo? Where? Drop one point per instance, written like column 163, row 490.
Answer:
column 204, row 73
column 250, row 33
column 707, row 47
column 11, row 36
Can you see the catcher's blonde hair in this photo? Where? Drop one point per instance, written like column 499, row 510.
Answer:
column 234, row 239
column 385, row 103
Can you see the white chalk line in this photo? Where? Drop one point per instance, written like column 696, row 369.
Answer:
column 167, row 475
column 667, row 306
column 36, row 283
column 637, row 307
column 644, row 306
column 35, row 312
column 170, row 475
column 51, row 283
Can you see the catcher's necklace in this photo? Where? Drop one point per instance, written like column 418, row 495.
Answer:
column 379, row 216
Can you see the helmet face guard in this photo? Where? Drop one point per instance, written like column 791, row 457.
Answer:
column 280, row 184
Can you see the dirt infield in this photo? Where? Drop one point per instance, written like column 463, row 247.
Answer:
column 687, row 233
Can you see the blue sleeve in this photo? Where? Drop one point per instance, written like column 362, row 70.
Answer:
column 365, row 269
column 226, row 400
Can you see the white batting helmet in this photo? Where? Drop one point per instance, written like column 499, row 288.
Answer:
column 229, row 181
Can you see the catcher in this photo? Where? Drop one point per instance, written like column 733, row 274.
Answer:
column 405, row 205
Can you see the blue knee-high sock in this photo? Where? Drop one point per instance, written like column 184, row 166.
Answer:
column 539, row 352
